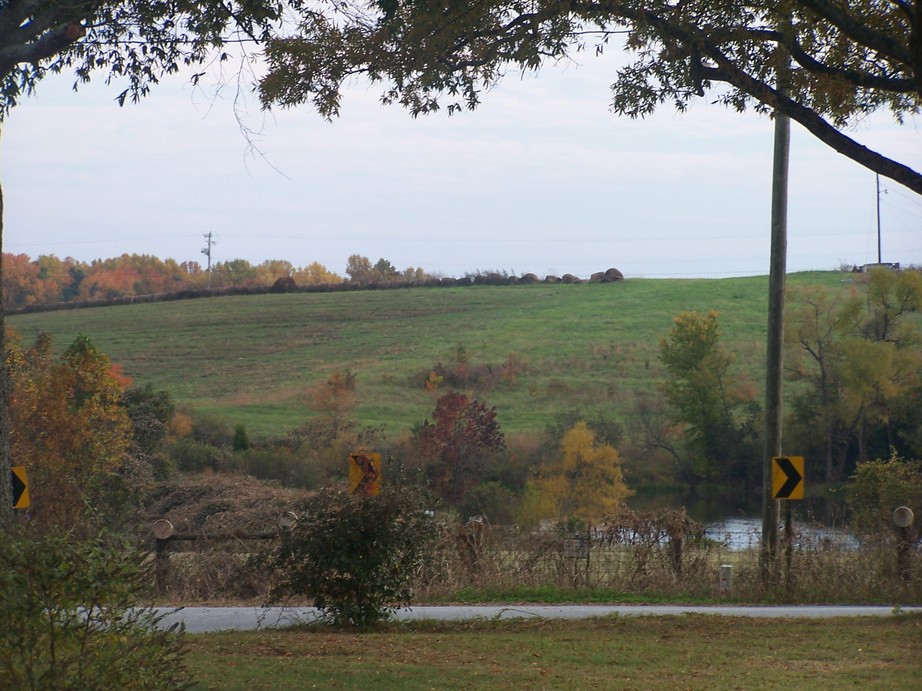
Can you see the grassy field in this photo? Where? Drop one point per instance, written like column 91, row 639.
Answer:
column 250, row 359
column 689, row 652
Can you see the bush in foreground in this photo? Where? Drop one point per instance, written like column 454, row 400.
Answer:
column 68, row 618
column 355, row 557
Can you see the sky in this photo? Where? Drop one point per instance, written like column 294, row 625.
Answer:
column 541, row 178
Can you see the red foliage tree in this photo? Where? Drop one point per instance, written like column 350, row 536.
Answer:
column 457, row 444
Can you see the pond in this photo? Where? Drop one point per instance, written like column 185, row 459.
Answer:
column 743, row 533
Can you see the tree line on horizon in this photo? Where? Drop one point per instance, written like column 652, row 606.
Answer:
column 48, row 280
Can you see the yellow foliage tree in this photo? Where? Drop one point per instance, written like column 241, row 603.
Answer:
column 315, row 273
column 67, row 425
column 587, row 482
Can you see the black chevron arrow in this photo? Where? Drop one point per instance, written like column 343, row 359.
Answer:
column 18, row 487
column 793, row 478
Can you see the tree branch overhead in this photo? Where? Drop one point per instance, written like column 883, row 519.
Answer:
column 851, row 57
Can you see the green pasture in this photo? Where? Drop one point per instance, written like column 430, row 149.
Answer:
column 251, row 359
column 688, row 652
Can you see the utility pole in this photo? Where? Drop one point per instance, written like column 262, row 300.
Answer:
column 207, row 252
column 879, row 254
column 774, row 355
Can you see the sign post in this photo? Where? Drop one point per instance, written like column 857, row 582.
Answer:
column 788, row 483
column 902, row 520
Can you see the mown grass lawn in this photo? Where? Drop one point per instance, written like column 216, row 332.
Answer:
column 688, row 652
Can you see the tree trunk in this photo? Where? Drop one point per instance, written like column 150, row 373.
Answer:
column 6, row 487
column 862, row 442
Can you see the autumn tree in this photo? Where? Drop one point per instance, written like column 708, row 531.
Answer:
column 815, row 324
column 42, row 281
column 848, row 57
column 68, row 426
column 714, row 404
column 606, row 430
column 271, row 270
column 234, row 273
column 415, row 273
column 891, row 297
column 585, row 483
column 359, row 269
column 316, row 273
column 458, row 444
column 130, row 274
column 856, row 356
column 20, row 277
column 59, row 278
column 47, row 279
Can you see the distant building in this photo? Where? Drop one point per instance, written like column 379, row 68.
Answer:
column 882, row 265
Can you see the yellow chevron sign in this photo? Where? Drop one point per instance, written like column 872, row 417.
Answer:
column 20, row 487
column 788, row 477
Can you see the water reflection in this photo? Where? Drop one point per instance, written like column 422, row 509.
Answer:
column 742, row 533
column 712, row 506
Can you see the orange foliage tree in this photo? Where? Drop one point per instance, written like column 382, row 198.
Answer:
column 67, row 426
column 46, row 280
column 132, row 274
column 20, row 276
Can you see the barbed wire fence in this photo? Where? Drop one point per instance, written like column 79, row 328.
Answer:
column 661, row 554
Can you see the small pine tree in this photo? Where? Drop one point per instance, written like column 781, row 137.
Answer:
column 241, row 439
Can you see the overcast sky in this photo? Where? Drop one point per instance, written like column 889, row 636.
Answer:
column 541, row 178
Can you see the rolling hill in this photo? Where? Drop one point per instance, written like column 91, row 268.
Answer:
column 538, row 349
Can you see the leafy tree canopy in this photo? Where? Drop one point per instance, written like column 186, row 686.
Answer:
column 457, row 443
column 849, row 57
column 714, row 403
column 135, row 42
column 857, row 353
column 69, row 427
column 587, row 481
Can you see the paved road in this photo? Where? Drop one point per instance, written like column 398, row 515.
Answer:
column 207, row 619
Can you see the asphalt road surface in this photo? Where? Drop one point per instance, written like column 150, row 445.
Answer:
column 209, row 619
